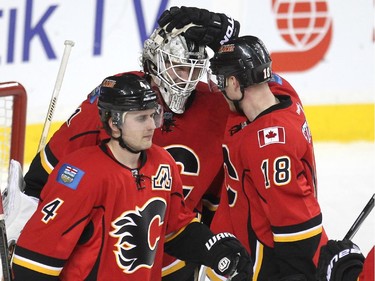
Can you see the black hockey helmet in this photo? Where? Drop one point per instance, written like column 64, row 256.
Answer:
column 126, row 92
column 122, row 93
column 244, row 57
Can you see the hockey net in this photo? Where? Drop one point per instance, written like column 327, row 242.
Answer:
column 13, row 101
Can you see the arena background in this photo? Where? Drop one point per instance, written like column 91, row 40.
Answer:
column 324, row 48
column 328, row 58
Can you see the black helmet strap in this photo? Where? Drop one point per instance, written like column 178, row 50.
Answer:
column 236, row 102
column 124, row 145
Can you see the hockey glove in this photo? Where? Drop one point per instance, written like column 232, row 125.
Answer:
column 340, row 261
column 18, row 207
column 211, row 29
column 229, row 258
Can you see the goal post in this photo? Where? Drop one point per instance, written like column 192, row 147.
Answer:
column 13, row 105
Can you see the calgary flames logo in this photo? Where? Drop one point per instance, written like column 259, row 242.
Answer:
column 138, row 233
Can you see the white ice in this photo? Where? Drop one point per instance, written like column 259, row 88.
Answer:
column 346, row 182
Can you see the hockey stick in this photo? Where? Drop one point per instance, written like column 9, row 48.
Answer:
column 60, row 75
column 4, row 250
column 362, row 216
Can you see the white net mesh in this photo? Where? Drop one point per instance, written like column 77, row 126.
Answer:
column 6, row 113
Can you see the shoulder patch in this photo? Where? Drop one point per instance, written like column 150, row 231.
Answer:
column 69, row 176
column 94, row 94
column 276, row 78
column 271, row 135
column 306, row 132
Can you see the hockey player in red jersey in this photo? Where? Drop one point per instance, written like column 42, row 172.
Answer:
column 269, row 200
column 194, row 118
column 106, row 211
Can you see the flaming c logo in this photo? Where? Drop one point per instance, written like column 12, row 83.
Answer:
column 305, row 25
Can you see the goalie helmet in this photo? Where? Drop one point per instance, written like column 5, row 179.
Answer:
column 122, row 93
column 176, row 65
column 246, row 58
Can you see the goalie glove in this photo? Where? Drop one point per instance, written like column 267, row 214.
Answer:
column 340, row 261
column 207, row 28
column 227, row 257
column 18, row 207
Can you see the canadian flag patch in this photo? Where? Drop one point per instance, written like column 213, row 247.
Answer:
column 271, row 135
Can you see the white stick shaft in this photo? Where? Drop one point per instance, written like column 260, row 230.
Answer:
column 56, row 90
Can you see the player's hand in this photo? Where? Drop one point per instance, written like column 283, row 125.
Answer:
column 229, row 258
column 210, row 29
column 340, row 261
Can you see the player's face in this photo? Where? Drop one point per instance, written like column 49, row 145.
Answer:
column 181, row 74
column 138, row 128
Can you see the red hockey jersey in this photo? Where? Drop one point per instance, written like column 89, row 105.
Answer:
column 367, row 273
column 193, row 138
column 103, row 218
column 269, row 201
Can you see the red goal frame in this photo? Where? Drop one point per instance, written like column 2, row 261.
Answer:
column 18, row 130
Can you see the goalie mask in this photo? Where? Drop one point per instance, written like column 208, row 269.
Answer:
column 246, row 58
column 176, row 66
column 123, row 93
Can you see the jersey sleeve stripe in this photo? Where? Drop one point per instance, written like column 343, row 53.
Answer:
column 173, row 267
column 297, row 236
column 171, row 236
column 258, row 259
column 35, row 266
column 48, row 167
